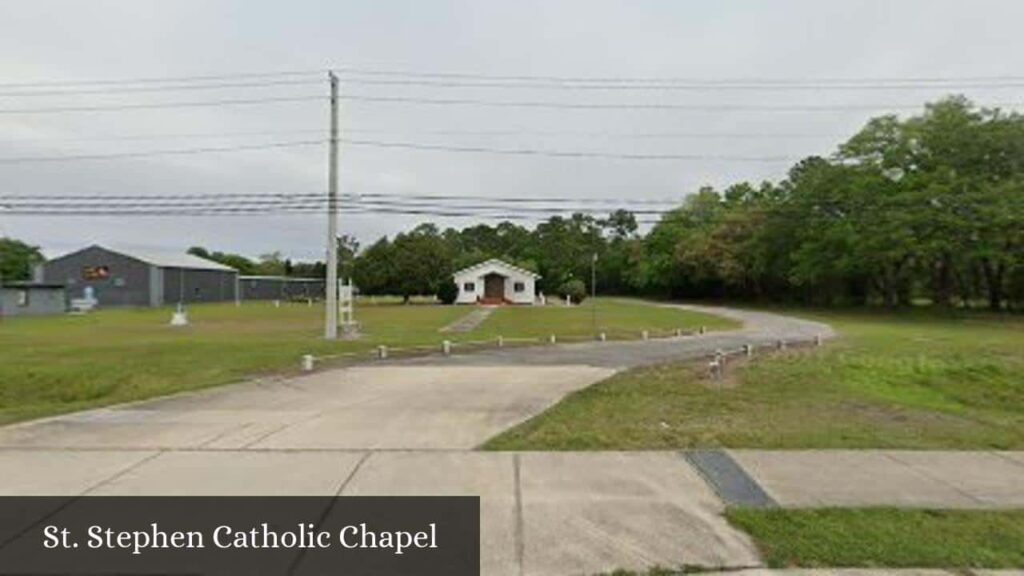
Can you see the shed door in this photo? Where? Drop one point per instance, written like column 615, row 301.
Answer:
column 494, row 286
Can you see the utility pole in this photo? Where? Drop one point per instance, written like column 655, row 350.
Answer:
column 331, row 318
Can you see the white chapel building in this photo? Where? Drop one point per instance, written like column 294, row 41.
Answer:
column 495, row 282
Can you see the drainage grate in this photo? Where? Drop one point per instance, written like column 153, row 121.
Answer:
column 728, row 479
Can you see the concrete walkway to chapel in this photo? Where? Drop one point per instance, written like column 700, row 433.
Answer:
column 410, row 428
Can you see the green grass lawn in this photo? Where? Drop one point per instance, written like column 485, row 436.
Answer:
column 57, row 364
column 885, row 537
column 913, row 380
column 619, row 318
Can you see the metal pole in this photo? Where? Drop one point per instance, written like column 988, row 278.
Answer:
column 593, row 293
column 331, row 318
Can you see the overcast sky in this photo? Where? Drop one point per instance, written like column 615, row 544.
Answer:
column 43, row 41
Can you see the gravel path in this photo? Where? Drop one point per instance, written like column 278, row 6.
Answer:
column 470, row 321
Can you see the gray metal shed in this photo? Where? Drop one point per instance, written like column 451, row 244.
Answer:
column 280, row 288
column 130, row 277
column 31, row 299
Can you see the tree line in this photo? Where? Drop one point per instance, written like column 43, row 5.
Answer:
column 928, row 208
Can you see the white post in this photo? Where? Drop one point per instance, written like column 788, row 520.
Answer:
column 702, row 330
column 602, row 337
column 307, row 363
column 552, row 339
column 501, row 341
column 645, row 335
column 446, row 347
column 382, row 352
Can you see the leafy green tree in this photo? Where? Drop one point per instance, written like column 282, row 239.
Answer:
column 17, row 259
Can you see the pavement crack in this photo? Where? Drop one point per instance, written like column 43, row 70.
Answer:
column 121, row 473
column 925, row 473
column 519, row 528
column 352, row 474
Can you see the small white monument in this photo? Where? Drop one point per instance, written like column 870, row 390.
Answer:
column 180, row 317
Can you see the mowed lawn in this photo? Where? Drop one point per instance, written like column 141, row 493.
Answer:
column 618, row 318
column 50, row 365
column 63, row 363
column 911, row 380
column 890, row 537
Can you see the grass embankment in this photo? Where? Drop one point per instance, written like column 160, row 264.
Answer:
column 885, row 537
column 50, row 365
column 913, row 381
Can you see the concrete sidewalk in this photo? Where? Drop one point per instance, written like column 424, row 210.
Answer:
column 922, row 479
column 605, row 510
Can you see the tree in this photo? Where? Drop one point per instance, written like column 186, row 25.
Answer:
column 244, row 265
column 447, row 292
column 573, row 290
column 421, row 261
column 17, row 259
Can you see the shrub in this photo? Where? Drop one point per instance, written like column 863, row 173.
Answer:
column 574, row 289
column 447, row 292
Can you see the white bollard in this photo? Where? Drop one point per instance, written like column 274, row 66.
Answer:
column 382, row 352
column 715, row 369
column 679, row 333
column 748, row 350
column 307, row 363
column 501, row 341
column 702, row 330
column 277, row 303
column 446, row 347
column 645, row 335
column 602, row 337
column 817, row 340
column 552, row 339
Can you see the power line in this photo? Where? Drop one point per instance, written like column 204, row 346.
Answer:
column 533, row 152
column 664, row 135
column 479, row 102
column 146, row 88
column 634, row 106
column 560, row 153
column 160, row 79
column 517, row 85
column 160, row 105
column 150, row 153
column 355, row 197
column 356, row 71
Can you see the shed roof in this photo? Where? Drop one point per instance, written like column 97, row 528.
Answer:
column 498, row 262
column 165, row 259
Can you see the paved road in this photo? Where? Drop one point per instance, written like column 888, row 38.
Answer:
column 409, row 428
column 759, row 329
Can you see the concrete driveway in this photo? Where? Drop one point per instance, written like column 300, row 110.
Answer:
column 409, row 427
